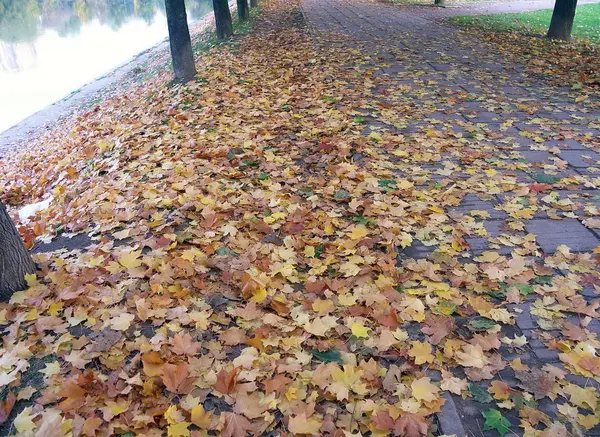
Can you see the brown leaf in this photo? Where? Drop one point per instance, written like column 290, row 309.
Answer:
column 91, row 425
column 438, row 327
column 177, row 378
column 233, row 336
column 537, row 382
column 6, row 406
column 383, row 421
column 226, row 381
column 235, row 425
column 277, row 384
column 573, row 332
column 184, row 345
column 410, row 425
column 74, row 396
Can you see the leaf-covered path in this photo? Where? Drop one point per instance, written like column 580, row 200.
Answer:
column 506, row 116
column 356, row 228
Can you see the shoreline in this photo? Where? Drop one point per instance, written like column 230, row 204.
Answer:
column 34, row 126
column 47, row 118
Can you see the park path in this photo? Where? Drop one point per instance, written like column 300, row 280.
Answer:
column 456, row 86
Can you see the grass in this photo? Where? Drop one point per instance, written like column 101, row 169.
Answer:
column 586, row 26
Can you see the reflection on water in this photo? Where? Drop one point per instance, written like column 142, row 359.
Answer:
column 49, row 48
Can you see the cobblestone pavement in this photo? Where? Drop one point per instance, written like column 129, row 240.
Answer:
column 537, row 133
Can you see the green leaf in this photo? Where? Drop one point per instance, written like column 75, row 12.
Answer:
column 358, row 120
column 128, row 434
column 360, row 219
column 342, row 195
column 479, row 394
column 495, row 420
column 524, row 289
column 331, row 356
column 545, row 179
column 481, row 324
column 521, row 402
column 319, row 250
column 263, row 177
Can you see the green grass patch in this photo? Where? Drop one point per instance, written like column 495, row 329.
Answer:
column 586, row 25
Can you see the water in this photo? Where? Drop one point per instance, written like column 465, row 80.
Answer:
column 49, row 48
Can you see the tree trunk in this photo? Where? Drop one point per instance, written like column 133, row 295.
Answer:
column 562, row 19
column 180, row 41
column 222, row 19
column 253, row 3
column 243, row 10
column 440, row 2
column 15, row 261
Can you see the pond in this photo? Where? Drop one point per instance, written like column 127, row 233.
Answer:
column 49, row 48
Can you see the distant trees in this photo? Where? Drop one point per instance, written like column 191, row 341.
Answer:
column 222, row 19
column 15, row 261
column 562, row 19
column 182, row 55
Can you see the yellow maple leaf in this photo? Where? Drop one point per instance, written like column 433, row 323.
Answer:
column 200, row 417
column 421, row 352
column 360, row 331
column 121, row 322
column 582, row 397
column 131, row 260
column 471, row 356
column 309, row 251
column 51, row 369
column 320, row 325
column 358, row 232
column 424, row 390
column 24, row 421
column 259, row 295
column 179, row 430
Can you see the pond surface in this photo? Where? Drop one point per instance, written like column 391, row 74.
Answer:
column 49, row 48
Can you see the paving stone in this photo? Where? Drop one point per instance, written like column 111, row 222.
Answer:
column 552, row 233
column 581, row 158
column 537, row 156
column 546, row 355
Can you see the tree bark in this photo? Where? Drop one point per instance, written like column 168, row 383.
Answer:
column 222, row 19
column 180, row 41
column 243, row 10
column 253, row 3
column 440, row 2
column 15, row 260
column 562, row 19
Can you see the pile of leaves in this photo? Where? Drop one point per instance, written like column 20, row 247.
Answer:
column 576, row 63
column 247, row 269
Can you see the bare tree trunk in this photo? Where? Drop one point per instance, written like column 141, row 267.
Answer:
column 222, row 19
column 180, row 41
column 15, row 261
column 253, row 3
column 243, row 10
column 440, row 2
column 562, row 19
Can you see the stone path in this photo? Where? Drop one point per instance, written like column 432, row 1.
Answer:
column 538, row 132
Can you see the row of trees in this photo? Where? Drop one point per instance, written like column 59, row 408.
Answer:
column 182, row 53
